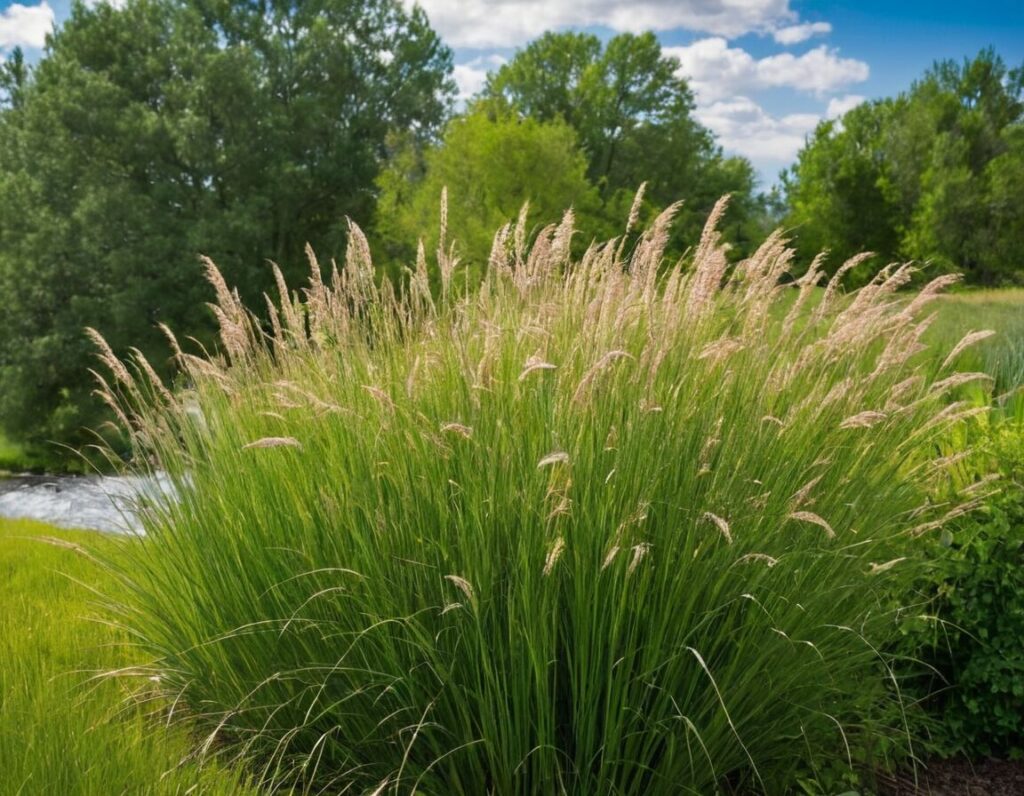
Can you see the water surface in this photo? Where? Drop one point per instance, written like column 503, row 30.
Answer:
column 102, row 503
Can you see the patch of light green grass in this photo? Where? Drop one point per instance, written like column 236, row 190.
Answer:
column 62, row 730
column 1002, row 311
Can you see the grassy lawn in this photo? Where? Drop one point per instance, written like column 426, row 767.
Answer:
column 61, row 730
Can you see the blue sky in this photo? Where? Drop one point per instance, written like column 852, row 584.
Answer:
column 764, row 71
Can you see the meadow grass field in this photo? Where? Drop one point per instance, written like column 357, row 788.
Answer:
column 64, row 728
column 274, row 615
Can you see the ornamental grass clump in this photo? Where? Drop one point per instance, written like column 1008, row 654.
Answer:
column 606, row 525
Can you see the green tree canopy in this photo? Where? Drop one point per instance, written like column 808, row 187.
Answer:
column 933, row 174
column 633, row 114
column 491, row 161
column 169, row 128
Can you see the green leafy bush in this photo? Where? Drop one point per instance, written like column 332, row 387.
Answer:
column 974, row 639
column 607, row 526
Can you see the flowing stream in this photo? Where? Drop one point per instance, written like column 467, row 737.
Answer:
column 102, row 503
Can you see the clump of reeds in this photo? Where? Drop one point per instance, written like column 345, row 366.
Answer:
column 600, row 525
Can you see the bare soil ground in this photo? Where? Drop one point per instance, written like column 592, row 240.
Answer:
column 959, row 777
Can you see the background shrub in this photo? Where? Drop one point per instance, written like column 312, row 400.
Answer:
column 974, row 641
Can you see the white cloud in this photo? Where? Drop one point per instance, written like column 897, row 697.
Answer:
column 837, row 106
column 25, row 26
column 716, row 71
column 795, row 34
column 471, row 76
column 724, row 78
column 507, row 23
column 745, row 128
column 818, row 70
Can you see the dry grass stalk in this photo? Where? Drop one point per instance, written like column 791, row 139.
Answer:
column 533, row 364
column 639, row 552
column 583, row 387
column 462, row 585
column 969, row 339
column 721, row 524
column 814, row 519
column 878, row 569
column 556, row 457
column 634, row 210
column 865, row 419
column 457, row 428
column 958, row 380
column 762, row 557
column 800, row 497
column 382, row 397
column 107, row 357
column 273, row 442
column 553, row 555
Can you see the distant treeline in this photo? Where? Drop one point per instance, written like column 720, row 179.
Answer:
column 935, row 174
column 165, row 129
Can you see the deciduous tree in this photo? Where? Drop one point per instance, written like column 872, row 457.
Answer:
column 168, row 128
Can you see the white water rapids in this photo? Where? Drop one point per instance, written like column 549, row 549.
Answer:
column 102, row 503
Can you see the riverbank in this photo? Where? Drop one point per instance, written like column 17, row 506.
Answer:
column 17, row 459
column 12, row 457
column 64, row 727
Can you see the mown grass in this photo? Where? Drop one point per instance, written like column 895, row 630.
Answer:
column 601, row 527
column 63, row 730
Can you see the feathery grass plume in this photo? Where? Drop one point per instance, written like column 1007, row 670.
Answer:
column 722, row 525
column 762, row 557
column 713, row 392
column 800, row 497
column 519, row 235
column 533, row 364
column 864, row 419
column 582, row 389
column 806, row 287
column 458, row 428
column 877, row 569
column 553, row 555
column 634, row 209
column 826, row 302
column 152, row 377
column 639, row 551
column 959, row 380
column 497, row 261
column 969, row 339
column 648, row 253
column 814, row 519
column 107, row 357
column 709, row 265
column 556, row 457
column 273, row 442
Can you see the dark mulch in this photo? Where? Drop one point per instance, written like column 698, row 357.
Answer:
column 959, row 777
